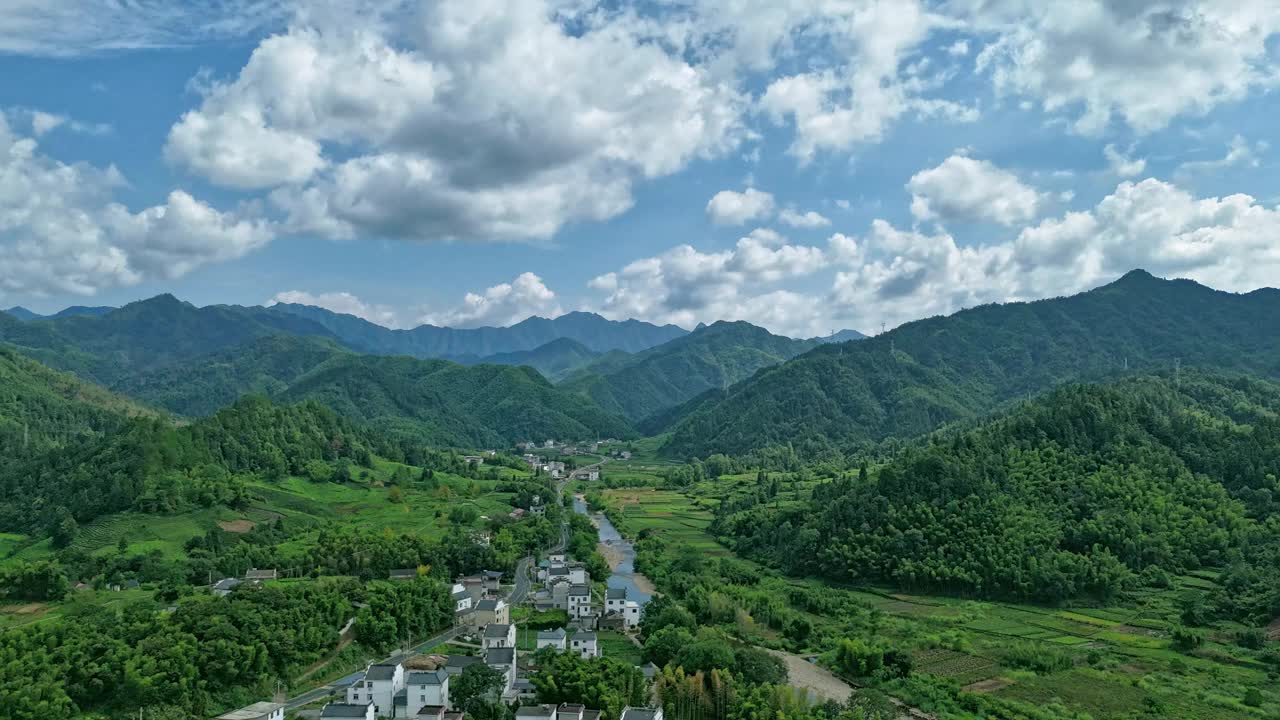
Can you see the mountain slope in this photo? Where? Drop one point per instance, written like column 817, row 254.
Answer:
column 41, row 408
column 203, row 385
column 555, row 360
column 596, row 333
column 21, row 313
column 444, row 403
column 930, row 372
column 1071, row 494
column 143, row 335
column 671, row 374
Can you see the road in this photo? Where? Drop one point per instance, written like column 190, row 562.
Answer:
column 320, row 693
column 518, row 594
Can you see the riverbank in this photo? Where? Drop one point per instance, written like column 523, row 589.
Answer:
column 615, row 557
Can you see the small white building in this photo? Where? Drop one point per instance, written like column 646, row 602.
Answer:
column 256, row 711
column 579, row 601
column 499, row 635
column 554, row 639
column 493, row 611
column 347, row 711
column 379, row 686
column 549, row 444
column 462, row 600
column 593, row 475
column 617, row 604
column 584, row 644
column 504, row 661
column 422, row 689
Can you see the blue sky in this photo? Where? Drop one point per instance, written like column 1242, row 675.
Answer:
column 803, row 164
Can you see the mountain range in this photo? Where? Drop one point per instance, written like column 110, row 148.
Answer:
column 927, row 373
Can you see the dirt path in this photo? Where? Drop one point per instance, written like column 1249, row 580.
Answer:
column 809, row 676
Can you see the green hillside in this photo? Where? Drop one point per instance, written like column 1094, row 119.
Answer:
column 924, row 374
column 671, row 374
column 1077, row 493
column 555, row 360
column 447, row 404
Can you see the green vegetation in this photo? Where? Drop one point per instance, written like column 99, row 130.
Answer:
column 844, row 397
column 669, row 375
column 555, row 360
column 1071, row 495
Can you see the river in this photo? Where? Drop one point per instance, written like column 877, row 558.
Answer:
column 621, row 556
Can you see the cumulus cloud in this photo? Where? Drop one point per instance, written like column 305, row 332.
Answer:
column 1143, row 63
column 1239, row 152
column 466, row 121
column 797, row 219
column 687, row 286
column 969, row 190
column 729, row 207
column 1121, row 164
column 501, row 305
column 61, row 231
column 340, row 302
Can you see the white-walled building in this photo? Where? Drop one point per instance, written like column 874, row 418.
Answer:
column 553, row 638
column 504, row 661
column 641, row 713
column 379, row 687
column 585, row 644
column 490, row 612
column 579, row 601
column 616, row 603
column 499, row 635
column 422, row 689
column 462, row 600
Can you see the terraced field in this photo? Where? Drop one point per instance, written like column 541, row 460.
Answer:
column 679, row 517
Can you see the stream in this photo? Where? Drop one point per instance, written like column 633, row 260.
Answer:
column 621, row 556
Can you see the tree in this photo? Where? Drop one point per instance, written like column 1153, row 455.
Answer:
column 476, row 690
column 63, row 529
column 318, row 471
column 665, row 644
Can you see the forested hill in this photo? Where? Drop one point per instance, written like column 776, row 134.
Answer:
column 1083, row 492
column 924, row 374
column 669, row 375
column 446, row 404
column 41, row 408
column 555, row 360
column 153, row 465
column 429, row 341
column 141, row 336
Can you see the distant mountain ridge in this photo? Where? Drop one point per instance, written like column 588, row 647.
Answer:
column 924, row 374
column 74, row 311
column 661, row 378
column 555, row 360
column 471, row 344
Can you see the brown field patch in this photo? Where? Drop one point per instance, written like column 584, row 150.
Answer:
column 1273, row 630
column 989, row 685
column 237, row 526
column 26, row 609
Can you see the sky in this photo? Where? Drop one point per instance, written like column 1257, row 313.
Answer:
column 805, row 165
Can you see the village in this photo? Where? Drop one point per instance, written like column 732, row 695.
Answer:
column 417, row 684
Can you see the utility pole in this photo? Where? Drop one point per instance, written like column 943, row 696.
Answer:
column 1177, row 372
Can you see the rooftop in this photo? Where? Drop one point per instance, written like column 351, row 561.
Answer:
column 439, row 677
column 381, row 672
column 497, row 630
column 616, row 594
column 256, row 711
column 556, row 634
column 643, row 713
column 535, row 712
column 488, row 604
column 500, row 656
column 580, row 590
column 344, row 710
column 584, row 637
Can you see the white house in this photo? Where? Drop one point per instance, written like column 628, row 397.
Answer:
column 585, row 644
column 379, row 687
column 617, row 604
column 576, row 712
column 553, row 638
column 549, row 444
column 256, row 711
column 556, row 558
column 461, row 598
column 579, row 600
column 504, row 661
column 578, row 574
column 422, row 689
column 346, row 711
column 499, row 635
column 593, row 475
column 491, row 612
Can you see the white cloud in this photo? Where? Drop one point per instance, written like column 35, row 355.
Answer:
column 686, row 286
column 501, row 305
column 796, row 219
column 71, row 28
column 1239, row 152
column 729, row 207
column 970, row 190
column 340, row 302
column 61, row 232
column 1144, row 63
column 463, row 120
column 1121, row 164
column 41, row 122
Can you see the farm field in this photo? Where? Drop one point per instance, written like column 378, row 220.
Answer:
column 1110, row 661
